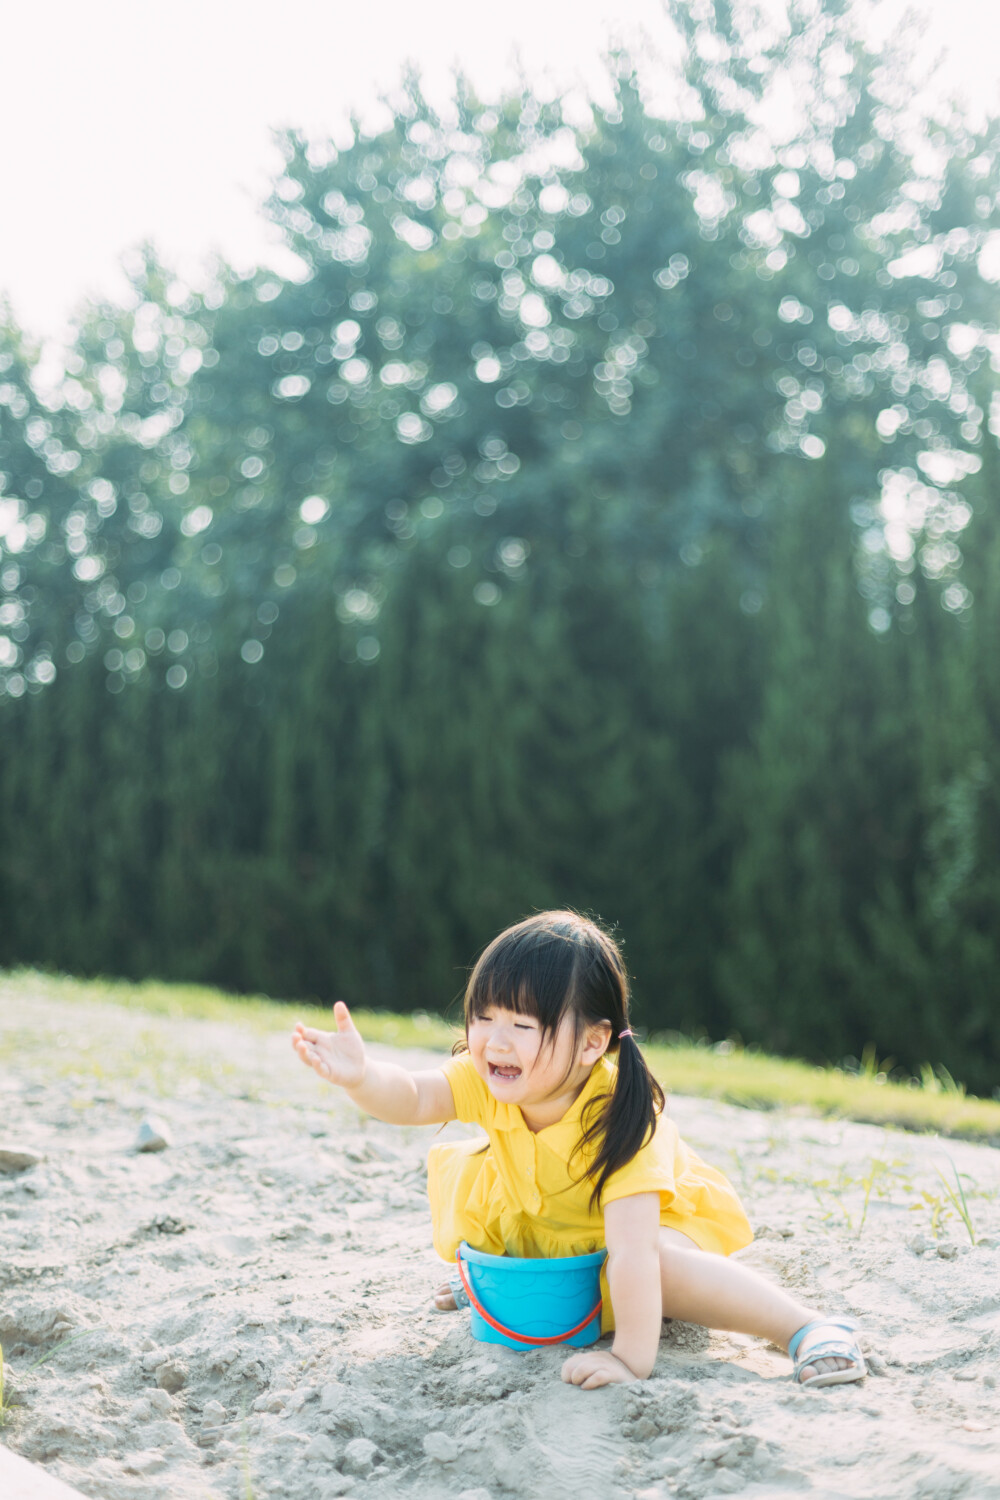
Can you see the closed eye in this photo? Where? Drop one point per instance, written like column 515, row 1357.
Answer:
column 518, row 1025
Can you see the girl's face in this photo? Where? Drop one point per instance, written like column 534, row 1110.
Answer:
column 522, row 1066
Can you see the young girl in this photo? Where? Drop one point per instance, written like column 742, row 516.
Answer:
column 580, row 1155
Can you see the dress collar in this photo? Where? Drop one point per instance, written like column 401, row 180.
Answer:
column 563, row 1136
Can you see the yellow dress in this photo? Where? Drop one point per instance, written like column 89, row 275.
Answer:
column 520, row 1194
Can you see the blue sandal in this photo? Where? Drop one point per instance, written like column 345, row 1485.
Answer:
column 827, row 1338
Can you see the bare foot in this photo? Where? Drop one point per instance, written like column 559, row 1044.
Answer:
column 444, row 1298
column 822, row 1366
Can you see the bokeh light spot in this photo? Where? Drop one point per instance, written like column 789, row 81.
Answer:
column 197, row 520
column 314, row 509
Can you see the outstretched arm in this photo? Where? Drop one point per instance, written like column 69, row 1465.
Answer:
column 379, row 1088
column 632, row 1232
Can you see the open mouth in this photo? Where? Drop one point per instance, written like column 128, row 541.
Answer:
column 504, row 1074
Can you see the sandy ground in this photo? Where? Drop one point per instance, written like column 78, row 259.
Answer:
column 246, row 1314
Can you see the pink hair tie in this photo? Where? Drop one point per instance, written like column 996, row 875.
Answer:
column 628, row 1032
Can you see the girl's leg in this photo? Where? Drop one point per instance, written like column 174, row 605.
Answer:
column 721, row 1293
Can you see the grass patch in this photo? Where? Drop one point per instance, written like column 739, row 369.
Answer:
column 757, row 1081
column 194, row 1002
column 735, row 1075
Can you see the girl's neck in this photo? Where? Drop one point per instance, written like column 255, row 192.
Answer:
column 550, row 1111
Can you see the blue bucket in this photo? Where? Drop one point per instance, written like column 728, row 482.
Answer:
column 528, row 1302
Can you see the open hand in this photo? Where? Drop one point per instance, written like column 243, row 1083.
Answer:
column 591, row 1368
column 338, row 1056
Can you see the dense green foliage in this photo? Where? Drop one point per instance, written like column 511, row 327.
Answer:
column 606, row 516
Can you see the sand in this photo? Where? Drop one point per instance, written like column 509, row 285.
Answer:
column 246, row 1313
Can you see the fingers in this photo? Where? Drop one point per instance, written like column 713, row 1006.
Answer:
column 588, row 1382
column 342, row 1016
column 589, row 1372
column 309, row 1055
column 576, row 1370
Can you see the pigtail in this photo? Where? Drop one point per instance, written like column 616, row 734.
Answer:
column 623, row 1121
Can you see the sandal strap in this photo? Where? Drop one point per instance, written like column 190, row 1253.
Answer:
column 830, row 1349
column 847, row 1324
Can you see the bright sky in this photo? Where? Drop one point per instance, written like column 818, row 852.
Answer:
column 129, row 121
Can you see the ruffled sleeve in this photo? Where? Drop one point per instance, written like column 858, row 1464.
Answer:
column 472, row 1098
column 654, row 1169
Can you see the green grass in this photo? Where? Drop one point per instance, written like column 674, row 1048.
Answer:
column 200, row 1003
column 758, row 1081
column 736, row 1075
column 956, row 1197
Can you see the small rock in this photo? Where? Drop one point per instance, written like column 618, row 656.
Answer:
column 966, row 1375
column 321, row 1450
column 154, row 1358
column 990, row 1382
column 918, row 1244
column 479, row 1494
column 728, row 1482
column 213, row 1414
column 330, row 1396
column 948, row 1252
column 11, row 1395
column 876, row 1363
column 153, row 1135
column 172, row 1376
column 440, row 1446
column 986, row 1243
column 335, row 1484
column 272, row 1401
column 144, row 1463
column 359, row 1456
column 160, row 1402
column 290, row 1231
column 18, row 1158
column 165, row 1223
column 223, row 1358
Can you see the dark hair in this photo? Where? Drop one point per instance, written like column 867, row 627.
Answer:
column 558, row 963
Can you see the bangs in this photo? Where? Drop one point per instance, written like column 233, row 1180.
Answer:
column 529, row 970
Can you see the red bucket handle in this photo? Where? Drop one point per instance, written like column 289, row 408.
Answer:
column 522, row 1338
